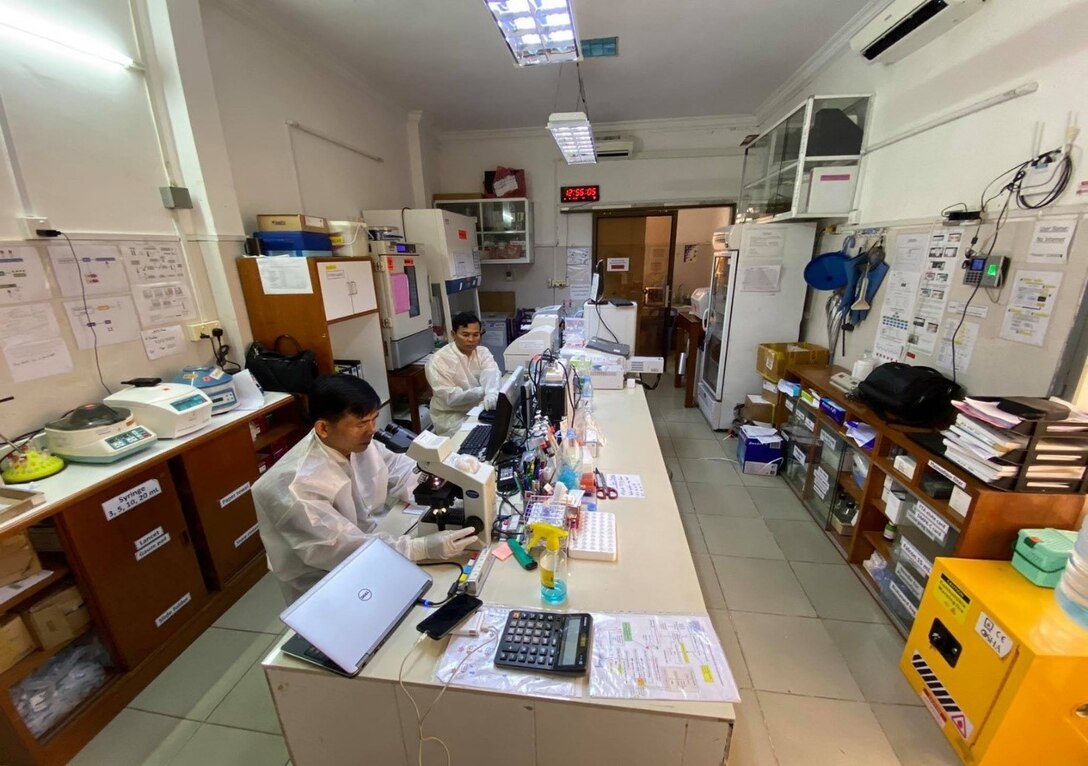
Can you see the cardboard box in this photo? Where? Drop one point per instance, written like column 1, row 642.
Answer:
column 18, row 559
column 58, row 617
column 772, row 359
column 758, row 409
column 15, row 641
column 759, row 456
column 292, row 222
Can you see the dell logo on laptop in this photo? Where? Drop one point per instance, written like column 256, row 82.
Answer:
column 365, row 594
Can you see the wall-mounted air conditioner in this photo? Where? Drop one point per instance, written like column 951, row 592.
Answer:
column 907, row 25
column 614, row 147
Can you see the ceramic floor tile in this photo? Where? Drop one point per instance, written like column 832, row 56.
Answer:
column 661, row 428
column 794, row 655
column 723, row 625
column 751, row 480
column 673, row 466
column 680, row 431
column 258, row 610
column 713, row 470
column 806, row 731
column 836, row 593
column 872, row 652
column 751, row 745
column 719, row 500
column 683, row 414
column 914, row 736
column 667, row 448
column 804, row 541
column 222, row 746
column 729, row 536
column 697, row 448
column 197, row 681
column 761, row 585
column 249, row 705
column 683, row 497
column 694, row 533
column 135, row 738
column 708, row 581
column 777, row 502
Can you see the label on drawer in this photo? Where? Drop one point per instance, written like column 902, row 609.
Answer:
column 809, row 423
column 927, row 520
column 126, row 501
column 246, row 535
column 149, row 537
column 234, row 495
column 960, row 502
column 821, row 482
column 908, row 580
column 993, row 635
column 174, row 609
column 948, row 475
column 915, row 557
column 828, row 440
column 153, row 546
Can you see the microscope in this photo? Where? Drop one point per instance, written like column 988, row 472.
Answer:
column 458, row 490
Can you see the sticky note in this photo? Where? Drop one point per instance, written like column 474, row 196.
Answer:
column 502, row 552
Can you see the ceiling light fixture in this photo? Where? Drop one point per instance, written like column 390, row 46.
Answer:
column 537, row 31
column 574, row 136
column 44, row 30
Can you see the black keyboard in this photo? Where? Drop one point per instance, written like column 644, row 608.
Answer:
column 476, row 442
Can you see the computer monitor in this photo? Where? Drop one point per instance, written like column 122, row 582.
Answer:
column 505, row 406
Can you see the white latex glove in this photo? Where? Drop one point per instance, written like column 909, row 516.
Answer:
column 477, row 394
column 491, row 398
column 442, row 545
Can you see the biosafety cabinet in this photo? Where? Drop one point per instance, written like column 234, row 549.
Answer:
column 1002, row 669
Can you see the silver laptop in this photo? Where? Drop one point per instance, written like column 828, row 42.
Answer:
column 350, row 612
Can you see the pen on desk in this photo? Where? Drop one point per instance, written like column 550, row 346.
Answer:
column 523, row 558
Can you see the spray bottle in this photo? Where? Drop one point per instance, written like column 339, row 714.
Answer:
column 553, row 564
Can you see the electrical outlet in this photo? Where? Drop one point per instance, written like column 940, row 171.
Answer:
column 554, row 283
column 201, row 328
column 31, row 224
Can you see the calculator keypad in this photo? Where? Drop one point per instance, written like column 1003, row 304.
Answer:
column 531, row 640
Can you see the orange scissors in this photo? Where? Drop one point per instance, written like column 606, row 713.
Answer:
column 603, row 490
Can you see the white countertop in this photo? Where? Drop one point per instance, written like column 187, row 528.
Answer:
column 80, row 479
column 653, row 574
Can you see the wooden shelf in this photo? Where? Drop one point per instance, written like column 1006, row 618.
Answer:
column 271, row 437
column 35, row 660
column 876, row 539
column 870, row 585
column 348, row 318
column 842, row 542
column 849, row 486
column 58, row 568
column 941, row 507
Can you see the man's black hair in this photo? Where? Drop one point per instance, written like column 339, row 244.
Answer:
column 464, row 319
column 334, row 396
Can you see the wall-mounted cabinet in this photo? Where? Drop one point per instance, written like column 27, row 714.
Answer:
column 504, row 227
column 807, row 165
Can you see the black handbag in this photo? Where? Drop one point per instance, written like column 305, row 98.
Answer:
column 276, row 371
column 902, row 393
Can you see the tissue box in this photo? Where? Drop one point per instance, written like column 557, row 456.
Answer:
column 833, row 410
column 15, row 641
column 59, row 617
column 18, row 559
column 759, row 455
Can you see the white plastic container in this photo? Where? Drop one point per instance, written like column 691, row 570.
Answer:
column 1072, row 590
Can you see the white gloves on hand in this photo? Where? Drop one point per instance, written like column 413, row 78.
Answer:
column 491, row 398
column 477, row 394
column 442, row 545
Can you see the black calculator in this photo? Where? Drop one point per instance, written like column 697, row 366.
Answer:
column 548, row 642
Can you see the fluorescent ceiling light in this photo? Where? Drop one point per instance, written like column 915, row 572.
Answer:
column 45, row 30
column 574, row 136
column 537, row 31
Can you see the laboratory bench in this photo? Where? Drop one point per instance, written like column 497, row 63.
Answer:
column 160, row 544
column 330, row 719
column 853, row 493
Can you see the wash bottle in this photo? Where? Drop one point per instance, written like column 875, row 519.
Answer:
column 553, row 564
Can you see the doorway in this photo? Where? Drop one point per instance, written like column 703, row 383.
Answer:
column 637, row 250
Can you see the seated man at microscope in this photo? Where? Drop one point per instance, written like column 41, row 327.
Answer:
column 461, row 374
column 321, row 501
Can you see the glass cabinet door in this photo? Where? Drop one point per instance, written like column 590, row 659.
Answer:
column 502, row 230
column 715, row 349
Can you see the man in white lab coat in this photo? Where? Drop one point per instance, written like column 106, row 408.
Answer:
column 321, row 501
column 461, row 374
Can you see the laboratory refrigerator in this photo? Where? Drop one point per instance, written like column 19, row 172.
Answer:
column 757, row 295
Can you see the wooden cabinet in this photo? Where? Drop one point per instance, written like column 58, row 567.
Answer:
column 131, row 541
column 347, row 288
column 214, row 483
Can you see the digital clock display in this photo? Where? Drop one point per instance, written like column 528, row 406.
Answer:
column 580, row 194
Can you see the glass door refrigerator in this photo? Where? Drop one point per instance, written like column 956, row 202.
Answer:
column 757, row 295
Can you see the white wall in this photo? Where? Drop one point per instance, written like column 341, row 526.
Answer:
column 1004, row 45
column 695, row 226
column 261, row 81
column 676, row 161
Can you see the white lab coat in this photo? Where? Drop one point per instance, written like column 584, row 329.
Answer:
column 315, row 507
column 452, row 375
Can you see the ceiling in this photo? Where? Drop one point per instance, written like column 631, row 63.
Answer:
column 677, row 58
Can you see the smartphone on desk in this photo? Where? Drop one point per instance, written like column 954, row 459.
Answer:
column 449, row 616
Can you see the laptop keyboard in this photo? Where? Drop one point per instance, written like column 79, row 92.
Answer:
column 476, row 442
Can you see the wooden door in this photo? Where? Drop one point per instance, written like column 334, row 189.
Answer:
column 131, row 541
column 214, row 484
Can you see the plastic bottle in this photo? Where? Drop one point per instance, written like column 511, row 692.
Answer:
column 863, row 366
column 1072, row 590
column 553, row 564
column 587, row 393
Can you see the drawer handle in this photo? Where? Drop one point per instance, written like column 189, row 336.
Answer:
column 1082, row 711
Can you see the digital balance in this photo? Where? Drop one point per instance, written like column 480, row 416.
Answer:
column 218, row 385
column 169, row 409
column 97, row 433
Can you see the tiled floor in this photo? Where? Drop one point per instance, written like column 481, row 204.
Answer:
column 814, row 657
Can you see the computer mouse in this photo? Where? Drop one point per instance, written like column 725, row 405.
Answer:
column 467, row 464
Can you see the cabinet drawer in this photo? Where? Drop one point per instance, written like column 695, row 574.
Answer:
column 214, row 482
column 131, row 546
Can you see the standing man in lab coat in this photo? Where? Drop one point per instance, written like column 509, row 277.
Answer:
column 462, row 374
column 321, row 501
